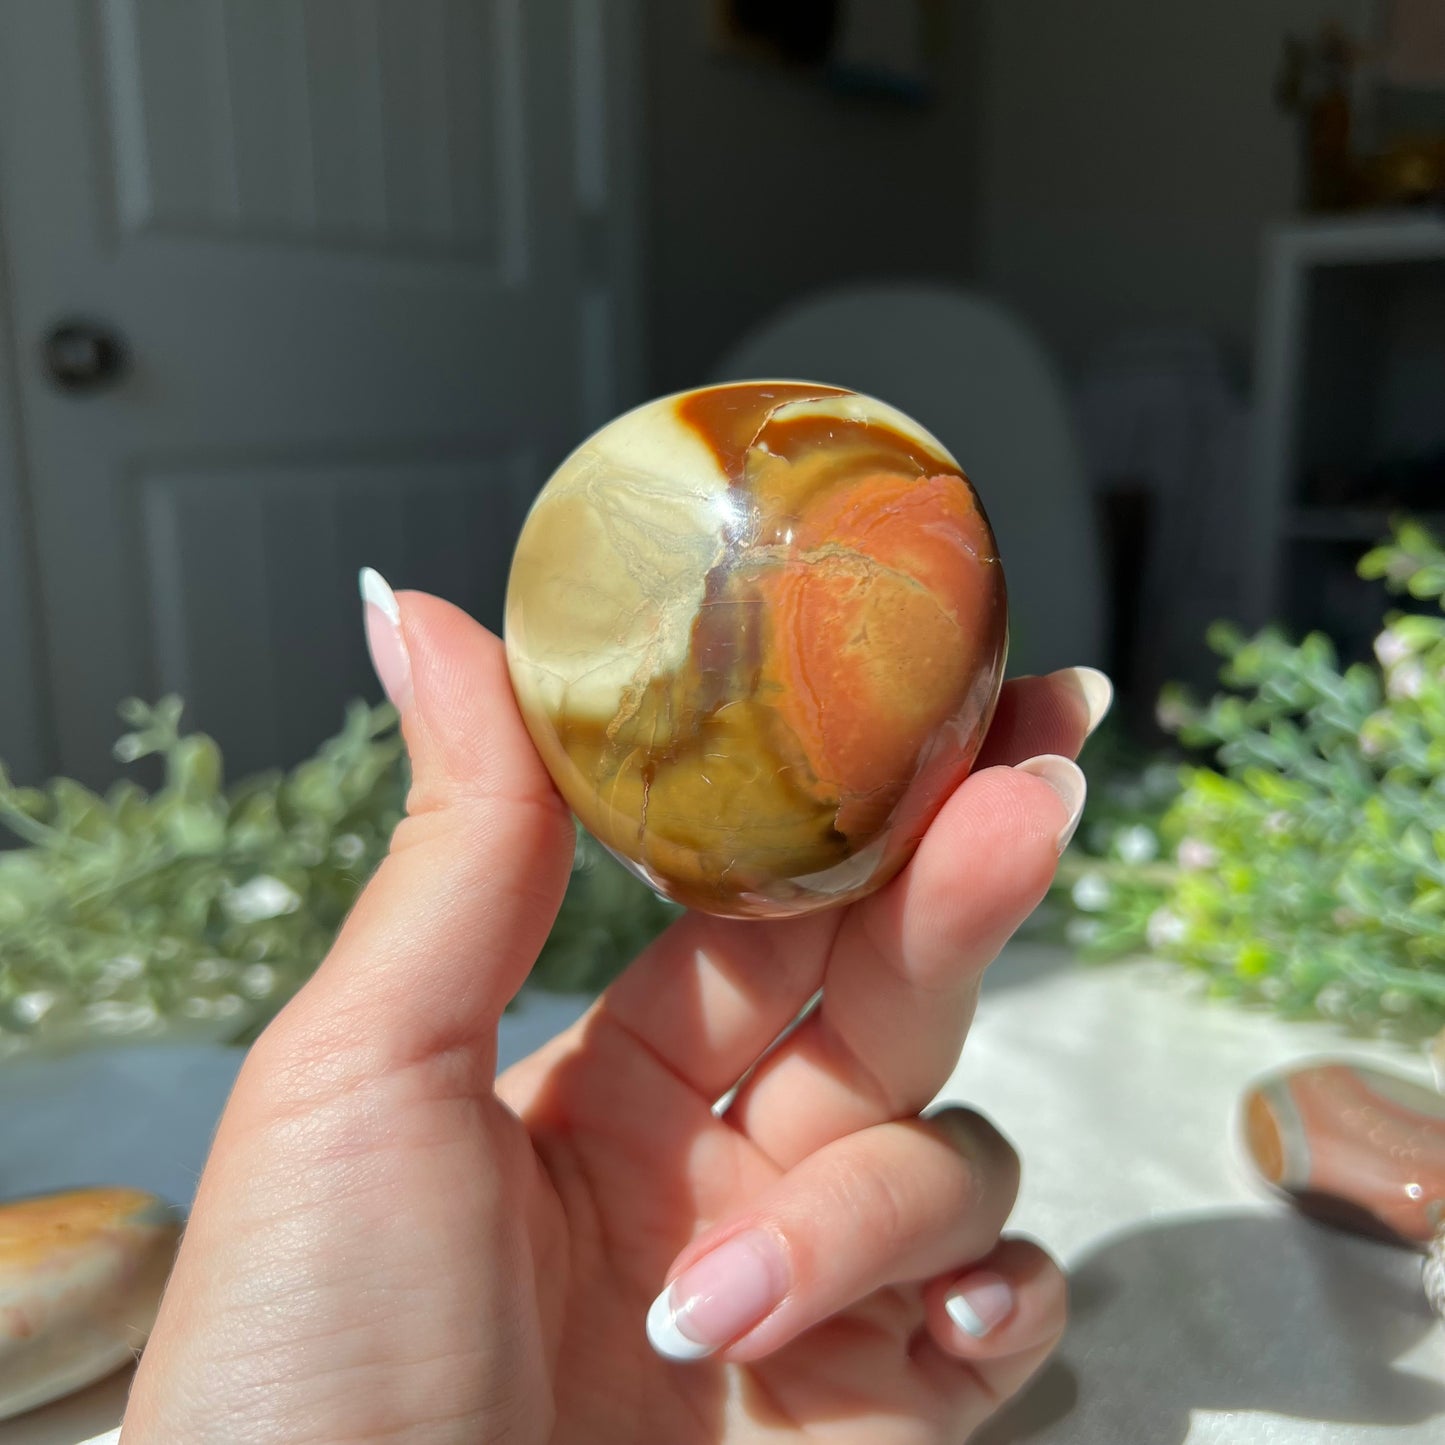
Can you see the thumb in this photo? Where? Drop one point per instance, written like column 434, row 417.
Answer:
column 446, row 931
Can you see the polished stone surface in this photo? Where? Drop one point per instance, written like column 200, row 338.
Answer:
column 1354, row 1145
column 757, row 632
column 81, row 1275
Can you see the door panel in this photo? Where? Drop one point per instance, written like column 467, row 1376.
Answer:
column 334, row 122
column 249, row 566
column 373, row 285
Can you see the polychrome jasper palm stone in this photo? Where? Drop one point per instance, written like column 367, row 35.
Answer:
column 757, row 632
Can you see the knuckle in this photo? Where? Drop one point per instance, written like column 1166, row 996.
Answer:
column 868, row 1198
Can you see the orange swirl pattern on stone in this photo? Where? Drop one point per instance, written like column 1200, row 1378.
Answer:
column 872, row 643
column 33, row 1230
column 757, row 632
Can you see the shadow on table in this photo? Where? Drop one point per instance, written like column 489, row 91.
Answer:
column 1231, row 1312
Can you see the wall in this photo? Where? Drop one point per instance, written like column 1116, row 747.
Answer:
column 1130, row 152
column 762, row 184
column 1098, row 167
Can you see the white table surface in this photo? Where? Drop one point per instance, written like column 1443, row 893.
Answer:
column 1203, row 1312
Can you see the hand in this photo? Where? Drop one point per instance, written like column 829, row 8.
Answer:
column 388, row 1244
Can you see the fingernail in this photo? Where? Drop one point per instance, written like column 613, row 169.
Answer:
column 383, row 638
column 980, row 1303
column 1065, row 778
column 719, row 1298
column 1096, row 690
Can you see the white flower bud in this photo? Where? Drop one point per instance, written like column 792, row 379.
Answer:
column 1391, row 649
column 263, row 897
column 1405, row 681
column 258, row 980
column 1138, row 844
column 1091, row 893
column 1165, row 928
column 31, row 1007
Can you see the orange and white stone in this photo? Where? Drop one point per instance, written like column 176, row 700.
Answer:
column 81, row 1276
column 757, row 632
column 1355, row 1145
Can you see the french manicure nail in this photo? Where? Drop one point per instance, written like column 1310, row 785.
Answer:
column 720, row 1297
column 1065, row 778
column 383, row 638
column 980, row 1303
column 1097, row 691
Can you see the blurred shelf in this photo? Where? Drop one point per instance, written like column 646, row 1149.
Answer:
column 1349, row 371
column 1352, row 524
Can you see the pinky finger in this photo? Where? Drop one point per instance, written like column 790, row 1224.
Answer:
column 1003, row 1315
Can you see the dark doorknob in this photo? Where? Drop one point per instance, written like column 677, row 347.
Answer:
column 82, row 356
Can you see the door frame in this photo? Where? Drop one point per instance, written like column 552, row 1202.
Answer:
column 618, row 193
column 24, row 700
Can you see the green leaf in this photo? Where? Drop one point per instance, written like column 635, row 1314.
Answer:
column 1427, row 582
column 1225, row 638
column 195, row 768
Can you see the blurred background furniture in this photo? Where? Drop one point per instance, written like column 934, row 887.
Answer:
column 1166, row 442
column 974, row 376
column 1350, row 386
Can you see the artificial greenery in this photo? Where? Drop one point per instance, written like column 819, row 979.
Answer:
column 192, row 908
column 1301, row 863
column 198, row 910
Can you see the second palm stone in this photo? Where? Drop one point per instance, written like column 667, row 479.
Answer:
column 1354, row 1145
column 81, row 1276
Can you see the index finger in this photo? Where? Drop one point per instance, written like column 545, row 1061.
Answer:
column 445, row 932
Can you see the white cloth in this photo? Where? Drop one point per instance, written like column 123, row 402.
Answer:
column 1204, row 1313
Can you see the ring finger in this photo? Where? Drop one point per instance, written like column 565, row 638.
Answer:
column 901, row 1202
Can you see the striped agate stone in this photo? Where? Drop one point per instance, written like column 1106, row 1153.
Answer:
column 81, row 1275
column 757, row 632
column 1353, row 1145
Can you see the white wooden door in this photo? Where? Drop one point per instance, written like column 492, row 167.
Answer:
column 369, row 262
